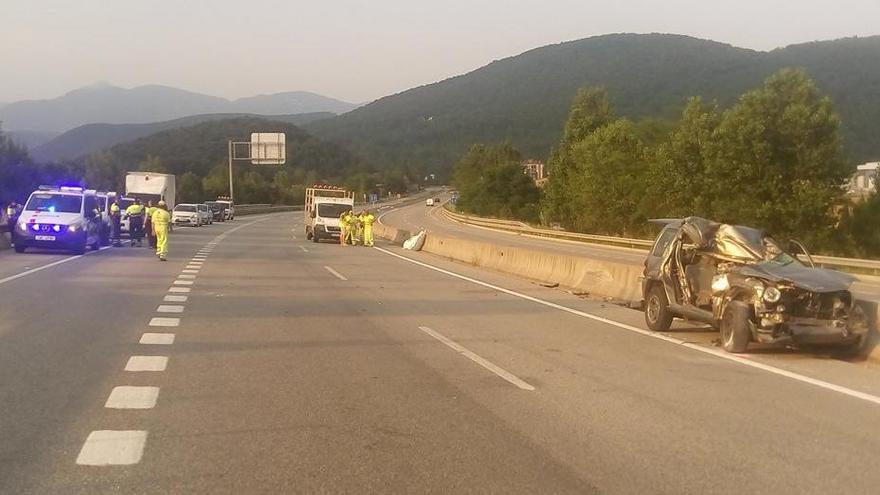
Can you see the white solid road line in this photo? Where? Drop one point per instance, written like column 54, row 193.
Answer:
column 335, row 273
column 510, row 377
column 50, row 265
column 127, row 397
column 112, row 448
column 169, row 308
column 714, row 352
column 147, row 363
column 157, row 339
column 165, row 322
column 175, row 298
column 179, row 290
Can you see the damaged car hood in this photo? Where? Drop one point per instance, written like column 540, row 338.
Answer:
column 811, row 279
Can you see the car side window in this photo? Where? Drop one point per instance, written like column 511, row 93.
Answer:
column 662, row 241
column 90, row 204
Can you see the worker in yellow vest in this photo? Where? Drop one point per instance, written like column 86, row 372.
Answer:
column 160, row 220
column 345, row 225
column 148, row 225
column 367, row 220
column 116, row 219
column 135, row 214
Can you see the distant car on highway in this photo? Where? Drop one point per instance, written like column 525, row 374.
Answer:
column 429, row 202
column 738, row 280
column 229, row 208
column 186, row 214
column 218, row 210
column 437, row 201
column 65, row 218
column 206, row 216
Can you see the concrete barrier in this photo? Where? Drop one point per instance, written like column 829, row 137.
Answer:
column 617, row 281
column 243, row 210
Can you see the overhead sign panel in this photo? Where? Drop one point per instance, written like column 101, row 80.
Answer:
column 268, row 148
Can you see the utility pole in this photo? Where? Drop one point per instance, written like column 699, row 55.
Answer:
column 231, row 196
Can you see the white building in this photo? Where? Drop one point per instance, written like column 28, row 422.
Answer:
column 864, row 181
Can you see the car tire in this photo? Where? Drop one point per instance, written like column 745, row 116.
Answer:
column 19, row 248
column 308, row 235
column 315, row 238
column 96, row 245
column 735, row 331
column 657, row 314
column 80, row 250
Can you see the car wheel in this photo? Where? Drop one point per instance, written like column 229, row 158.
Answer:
column 19, row 248
column 81, row 249
column 315, row 238
column 96, row 245
column 657, row 314
column 735, row 332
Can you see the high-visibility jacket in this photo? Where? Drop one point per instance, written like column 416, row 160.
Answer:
column 160, row 219
column 149, row 211
column 345, row 220
column 135, row 210
column 368, row 220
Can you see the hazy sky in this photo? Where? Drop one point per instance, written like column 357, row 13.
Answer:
column 356, row 50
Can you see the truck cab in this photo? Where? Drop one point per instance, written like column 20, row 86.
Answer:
column 324, row 205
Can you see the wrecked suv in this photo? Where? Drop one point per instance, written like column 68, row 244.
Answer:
column 739, row 281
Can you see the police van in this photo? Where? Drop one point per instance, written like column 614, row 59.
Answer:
column 59, row 218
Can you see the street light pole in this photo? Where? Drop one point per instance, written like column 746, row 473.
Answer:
column 231, row 196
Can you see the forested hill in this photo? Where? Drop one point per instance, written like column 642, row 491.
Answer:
column 525, row 99
column 89, row 138
column 202, row 150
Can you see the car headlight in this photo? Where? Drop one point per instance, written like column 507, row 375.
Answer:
column 772, row 295
column 720, row 283
column 74, row 227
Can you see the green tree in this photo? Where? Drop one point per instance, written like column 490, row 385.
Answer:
column 609, row 181
column 491, row 182
column 777, row 160
column 590, row 110
column 189, row 189
column 677, row 184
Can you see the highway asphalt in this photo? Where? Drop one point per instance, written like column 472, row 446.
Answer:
column 295, row 367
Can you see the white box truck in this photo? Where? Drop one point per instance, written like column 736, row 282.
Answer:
column 324, row 205
column 151, row 186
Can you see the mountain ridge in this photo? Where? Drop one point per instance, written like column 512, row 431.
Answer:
column 102, row 103
column 524, row 99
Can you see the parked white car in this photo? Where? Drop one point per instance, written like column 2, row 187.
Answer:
column 186, row 214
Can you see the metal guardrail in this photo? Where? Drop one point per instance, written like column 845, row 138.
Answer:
column 852, row 265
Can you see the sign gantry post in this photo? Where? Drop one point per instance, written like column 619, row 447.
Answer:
column 264, row 148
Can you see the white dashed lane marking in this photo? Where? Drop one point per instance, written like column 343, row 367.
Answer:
column 157, row 338
column 335, row 273
column 169, row 308
column 175, row 298
column 112, row 448
column 183, row 282
column 189, row 271
column 186, row 277
column 147, row 363
column 304, row 249
column 485, row 363
column 165, row 322
column 127, row 397
column 179, row 290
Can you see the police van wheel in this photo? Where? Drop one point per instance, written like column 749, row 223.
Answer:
column 80, row 249
column 19, row 249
